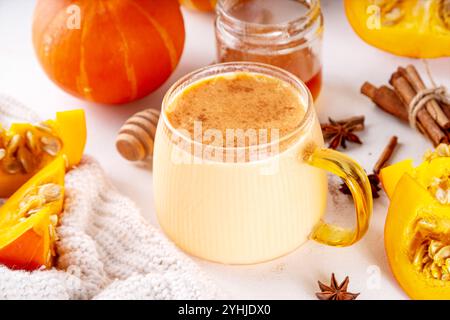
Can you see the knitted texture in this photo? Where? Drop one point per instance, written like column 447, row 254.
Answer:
column 107, row 251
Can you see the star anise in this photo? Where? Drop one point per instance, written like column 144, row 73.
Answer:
column 335, row 291
column 339, row 132
column 374, row 184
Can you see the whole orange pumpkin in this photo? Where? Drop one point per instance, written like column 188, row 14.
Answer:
column 111, row 52
column 201, row 5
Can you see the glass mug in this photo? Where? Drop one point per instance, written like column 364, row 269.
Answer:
column 240, row 210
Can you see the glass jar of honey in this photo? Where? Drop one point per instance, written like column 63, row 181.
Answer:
column 283, row 33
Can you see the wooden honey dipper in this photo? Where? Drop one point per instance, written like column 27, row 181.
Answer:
column 136, row 137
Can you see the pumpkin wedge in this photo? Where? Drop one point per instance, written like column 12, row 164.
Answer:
column 29, row 218
column 391, row 175
column 413, row 28
column 417, row 229
column 26, row 148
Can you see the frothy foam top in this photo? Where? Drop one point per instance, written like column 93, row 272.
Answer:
column 241, row 102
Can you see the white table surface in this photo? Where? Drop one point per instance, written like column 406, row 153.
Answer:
column 348, row 62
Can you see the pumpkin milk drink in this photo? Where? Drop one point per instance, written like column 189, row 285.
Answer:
column 230, row 183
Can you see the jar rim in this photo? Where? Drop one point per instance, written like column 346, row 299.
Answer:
column 230, row 67
column 300, row 22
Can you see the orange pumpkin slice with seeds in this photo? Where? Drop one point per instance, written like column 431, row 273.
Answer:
column 26, row 148
column 29, row 218
column 416, row 29
column 417, row 229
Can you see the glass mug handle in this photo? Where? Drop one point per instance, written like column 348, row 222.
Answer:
column 357, row 181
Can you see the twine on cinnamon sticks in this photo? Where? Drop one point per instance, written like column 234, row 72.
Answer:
column 422, row 98
column 426, row 109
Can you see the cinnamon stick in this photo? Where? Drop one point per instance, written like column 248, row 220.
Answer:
column 407, row 93
column 386, row 155
column 446, row 109
column 432, row 106
column 386, row 99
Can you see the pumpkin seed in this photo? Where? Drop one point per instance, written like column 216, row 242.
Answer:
column 54, row 219
column 443, row 196
column 444, row 12
column 440, row 189
column 426, row 259
column 427, row 270
column 391, row 11
column 426, row 225
column 43, row 127
column 13, row 144
column 442, row 254
column 53, row 236
column 50, row 192
column 27, row 160
column 434, row 247
column 33, row 211
column 31, row 203
column 432, row 258
column 12, row 165
column 30, row 141
column 418, row 260
column 2, row 153
column 443, row 150
column 393, row 17
column 51, row 231
column 435, row 270
column 51, row 145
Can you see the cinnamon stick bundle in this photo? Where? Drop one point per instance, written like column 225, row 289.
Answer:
column 410, row 73
column 433, row 120
column 407, row 93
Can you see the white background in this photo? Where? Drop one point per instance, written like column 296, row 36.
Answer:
column 348, row 62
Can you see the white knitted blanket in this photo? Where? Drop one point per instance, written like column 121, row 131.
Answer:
column 106, row 249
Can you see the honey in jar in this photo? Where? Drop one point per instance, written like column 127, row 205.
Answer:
column 283, row 33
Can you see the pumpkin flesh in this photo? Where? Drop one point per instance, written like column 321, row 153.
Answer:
column 27, row 234
column 415, row 223
column 69, row 128
column 413, row 28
